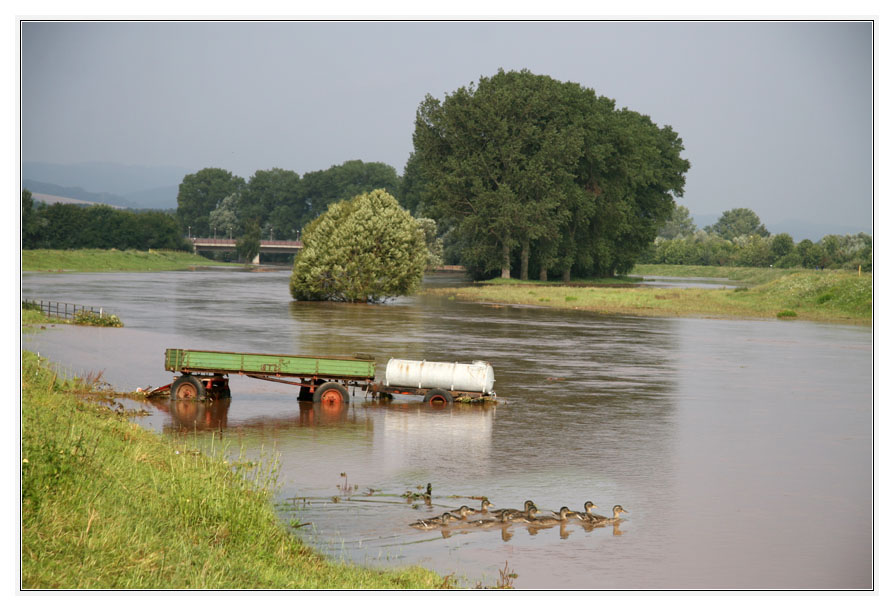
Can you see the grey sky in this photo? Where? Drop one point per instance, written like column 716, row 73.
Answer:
column 776, row 117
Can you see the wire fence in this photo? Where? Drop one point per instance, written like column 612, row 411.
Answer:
column 59, row 309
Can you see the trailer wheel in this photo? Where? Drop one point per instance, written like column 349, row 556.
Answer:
column 187, row 387
column 331, row 394
column 438, row 397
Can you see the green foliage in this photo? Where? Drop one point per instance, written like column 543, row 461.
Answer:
column 202, row 192
column 224, row 220
column 679, row 225
column 738, row 222
column 833, row 251
column 65, row 226
column 93, row 319
column 366, row 249
column 249, row 243
column 341, row 182
column 528, row 170
column 433, row 243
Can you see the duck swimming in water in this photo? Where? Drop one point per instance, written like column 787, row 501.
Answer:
column 459, row 514
column 559, row 518
column 436, row 522
column 588, row 514
column 598, row 520
column 515, row 514
column 529, row 516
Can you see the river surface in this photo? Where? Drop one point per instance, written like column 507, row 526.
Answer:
column 742, row 450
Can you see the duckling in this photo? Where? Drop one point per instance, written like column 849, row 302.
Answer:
column 435, row 522
column 462, row 511
column 515, row 514
column 485, row 505
column 559, row 518
column 587, row 515
column 501, row 520
column 617, row 510
column 529, row 516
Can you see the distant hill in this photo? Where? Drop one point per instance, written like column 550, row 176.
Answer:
column 112, row 183
column 49, row 191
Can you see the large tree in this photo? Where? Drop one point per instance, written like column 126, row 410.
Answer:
column 202, row 192
column 738, row 222
column 526, row 168
column 366, row 249
column 340, row 182
column 274, row 199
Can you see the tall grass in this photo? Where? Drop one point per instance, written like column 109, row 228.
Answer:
column 107, row 504
column 98, row 260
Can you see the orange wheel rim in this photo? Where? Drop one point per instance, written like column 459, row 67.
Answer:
column 186, row 391
column 331, row 398
column 437, row 401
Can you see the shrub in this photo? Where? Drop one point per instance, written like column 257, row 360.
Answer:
column 366, row 249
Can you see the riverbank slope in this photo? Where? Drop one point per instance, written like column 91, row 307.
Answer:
column 108, row 504
column 98, row 260
column 822, row 296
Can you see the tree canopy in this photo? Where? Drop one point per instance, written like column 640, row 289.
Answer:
column 366, row 249
column 202, row 192
column 738, row 222
column 65, row 226
column 526, row 168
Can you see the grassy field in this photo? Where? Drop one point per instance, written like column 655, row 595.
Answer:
column 107, row 504
column 827, row 296
column 96, row 260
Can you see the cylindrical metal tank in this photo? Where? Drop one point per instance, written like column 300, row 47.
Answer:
column 467, row 377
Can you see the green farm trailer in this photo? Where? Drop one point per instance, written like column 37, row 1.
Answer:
column 323, row 379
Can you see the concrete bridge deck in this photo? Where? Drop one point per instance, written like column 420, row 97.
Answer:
column 229, row 245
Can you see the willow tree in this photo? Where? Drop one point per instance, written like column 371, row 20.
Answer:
column 523, row 166
column 366, row 249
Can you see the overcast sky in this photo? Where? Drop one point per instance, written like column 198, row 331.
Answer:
column 776, row 117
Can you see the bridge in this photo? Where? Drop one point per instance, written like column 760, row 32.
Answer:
column 229, row 245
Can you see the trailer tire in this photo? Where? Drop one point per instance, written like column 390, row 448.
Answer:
column 331, row 394
column 186, row 388
column 438, row 397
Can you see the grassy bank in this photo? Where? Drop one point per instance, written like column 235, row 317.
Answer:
column 742, row 275
column 96, row 260
column 827, row 296
column 108, row 504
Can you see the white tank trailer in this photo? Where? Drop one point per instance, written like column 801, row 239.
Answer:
column 477, row 376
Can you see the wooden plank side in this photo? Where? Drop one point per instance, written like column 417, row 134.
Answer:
column 272, row 364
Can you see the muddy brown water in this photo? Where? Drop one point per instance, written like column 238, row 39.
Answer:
column 742, row 450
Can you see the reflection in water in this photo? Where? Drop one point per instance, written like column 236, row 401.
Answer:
column 721, row 437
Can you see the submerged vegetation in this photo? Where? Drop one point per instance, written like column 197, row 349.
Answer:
column 828, row 296
column 98, row 260
column 108, row 504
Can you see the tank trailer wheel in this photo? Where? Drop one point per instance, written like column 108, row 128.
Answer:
column 187, row 387
column 438, row 397
column 331, row 394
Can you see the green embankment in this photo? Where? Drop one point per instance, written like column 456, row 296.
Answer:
column 97, row 260
column 108, row 504
column 825, row 296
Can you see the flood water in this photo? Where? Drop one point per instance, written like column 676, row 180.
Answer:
column 742, row 450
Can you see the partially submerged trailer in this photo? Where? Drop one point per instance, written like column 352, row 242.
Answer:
column 324, row 379
column 204, row 374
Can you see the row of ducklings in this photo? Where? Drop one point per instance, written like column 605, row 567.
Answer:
column 530, row 515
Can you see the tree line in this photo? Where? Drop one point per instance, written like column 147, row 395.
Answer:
column 68, row 226
column 276, row 203
column 739, row 238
